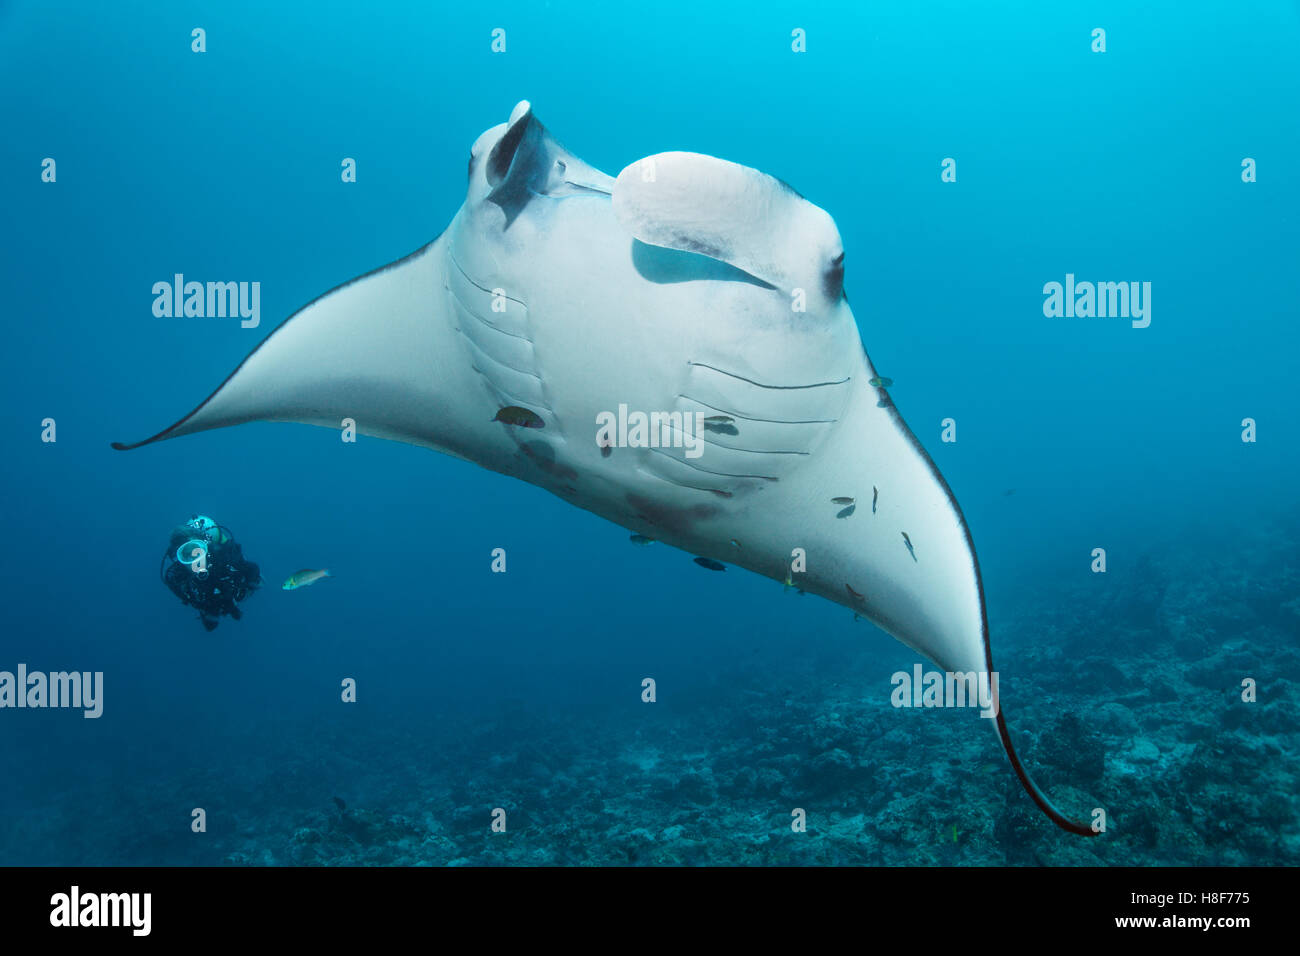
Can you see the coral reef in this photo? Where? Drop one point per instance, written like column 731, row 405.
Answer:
column 1135, row 705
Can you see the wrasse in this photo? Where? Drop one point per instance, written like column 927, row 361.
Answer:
column 722, row 424
column 300, row 579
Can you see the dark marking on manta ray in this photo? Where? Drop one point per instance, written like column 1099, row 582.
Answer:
column 711, row 564
column 543, row 456
column 672, row 519
column 860, row 598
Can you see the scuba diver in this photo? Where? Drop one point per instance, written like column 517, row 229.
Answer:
column 204, row 566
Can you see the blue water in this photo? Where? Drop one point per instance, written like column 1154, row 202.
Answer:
column 522, row 690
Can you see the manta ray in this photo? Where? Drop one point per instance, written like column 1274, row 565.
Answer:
column 688, row 286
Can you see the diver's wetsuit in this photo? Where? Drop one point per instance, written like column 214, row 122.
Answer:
column 227, row 580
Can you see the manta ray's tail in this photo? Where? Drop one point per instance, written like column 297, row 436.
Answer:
column 1026, row 781
column 1057, row 817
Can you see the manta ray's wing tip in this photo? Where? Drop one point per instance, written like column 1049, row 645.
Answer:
column 127, row 446
column 167, row 432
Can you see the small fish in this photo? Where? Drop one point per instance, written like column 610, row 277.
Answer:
column 300, row 579
column 721, row 424
column 881, row 382
column 710, row 564
column 640, row 540
column 874, row 495
column 515, row 415
column 860, row 598
column 789, row 581
column 846, row 512
column 735, row 543
column 338, row 802
column 842, row 501
column 606, row 451
column 908, row 541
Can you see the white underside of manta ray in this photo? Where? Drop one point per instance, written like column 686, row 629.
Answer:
column 672, row 288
